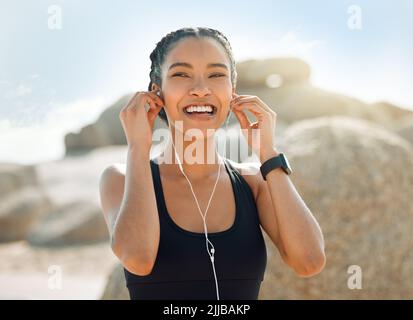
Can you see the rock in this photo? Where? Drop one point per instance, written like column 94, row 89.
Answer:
column 354, row 177
column 302, row 101
column 107, row 130
column 405, row 128
column 90, row 136
column 115, row 288
column 23, row 201
column 74, row 223
column 254, row 73
column 295, row 98
column 15, row 176
column 392, row 112
column 21, row 210
column 76, row 178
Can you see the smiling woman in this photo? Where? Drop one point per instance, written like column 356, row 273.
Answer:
column 166, row 250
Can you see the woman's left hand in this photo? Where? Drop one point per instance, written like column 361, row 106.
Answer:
column 266, row 122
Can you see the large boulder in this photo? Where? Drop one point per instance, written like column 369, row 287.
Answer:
column 405, row 128
column 16, row 176
column 355, row 177
column 74, row 223
column 76, row 178
column 89, row 137
column 256, row 72
column 106, row 131
column 302, row 101
column 21, row 211
column 391, row 111
column 23, row 201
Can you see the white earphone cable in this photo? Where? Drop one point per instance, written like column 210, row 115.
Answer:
column 211, row 254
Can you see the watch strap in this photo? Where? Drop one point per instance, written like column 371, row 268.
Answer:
column 271, row 164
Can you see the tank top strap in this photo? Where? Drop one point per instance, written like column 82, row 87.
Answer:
column 239, row 179
column 157, row 184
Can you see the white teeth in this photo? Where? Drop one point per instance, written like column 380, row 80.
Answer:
column 199, row 109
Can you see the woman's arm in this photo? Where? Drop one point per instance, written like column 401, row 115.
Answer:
column 294, row 228
column 129, row 206
column 289, row 222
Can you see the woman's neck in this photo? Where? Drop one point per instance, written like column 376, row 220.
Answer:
column 199, row 159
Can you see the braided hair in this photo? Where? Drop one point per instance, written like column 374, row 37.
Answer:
column 164, row 46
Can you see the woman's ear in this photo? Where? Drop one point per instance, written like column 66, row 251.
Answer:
column 159, row 91
column 155, row 87
column 234, row 93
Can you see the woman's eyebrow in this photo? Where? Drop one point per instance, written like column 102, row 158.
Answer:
column 188, row 65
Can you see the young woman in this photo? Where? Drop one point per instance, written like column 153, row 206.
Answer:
column 185, row 230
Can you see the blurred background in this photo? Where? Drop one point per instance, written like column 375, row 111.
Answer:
column 338, row 74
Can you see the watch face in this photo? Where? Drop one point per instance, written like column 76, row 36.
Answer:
column 286, row 164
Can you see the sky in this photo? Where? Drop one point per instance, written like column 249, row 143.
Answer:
column 63, row 62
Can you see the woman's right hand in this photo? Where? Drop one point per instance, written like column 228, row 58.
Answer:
column 138, row 123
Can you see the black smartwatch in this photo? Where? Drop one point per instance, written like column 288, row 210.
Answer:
column 279, row 161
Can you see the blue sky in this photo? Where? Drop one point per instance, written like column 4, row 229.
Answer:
column 54, row 81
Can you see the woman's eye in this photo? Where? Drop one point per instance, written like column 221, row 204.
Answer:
column 213, row 76
column 178, row 74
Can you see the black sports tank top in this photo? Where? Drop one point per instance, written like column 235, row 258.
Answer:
column 183, row 269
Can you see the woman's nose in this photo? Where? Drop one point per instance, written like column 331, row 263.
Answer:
column 200, row 88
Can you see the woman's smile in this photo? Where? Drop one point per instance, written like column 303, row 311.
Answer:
column 202, row 113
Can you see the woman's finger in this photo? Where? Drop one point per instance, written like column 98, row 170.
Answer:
column 152, row 114
column 157, row 99
column 152, row 104
column 133, row 101
column 236, row 99
column 253, row 99
column 253, row 107
column 242, row 118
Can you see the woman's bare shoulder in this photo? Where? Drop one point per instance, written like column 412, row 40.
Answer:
column 113, row 174
column 120, row 167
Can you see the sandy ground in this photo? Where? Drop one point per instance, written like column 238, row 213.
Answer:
column 82, row 270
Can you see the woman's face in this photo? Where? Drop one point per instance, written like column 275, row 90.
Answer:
column 197, row 83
